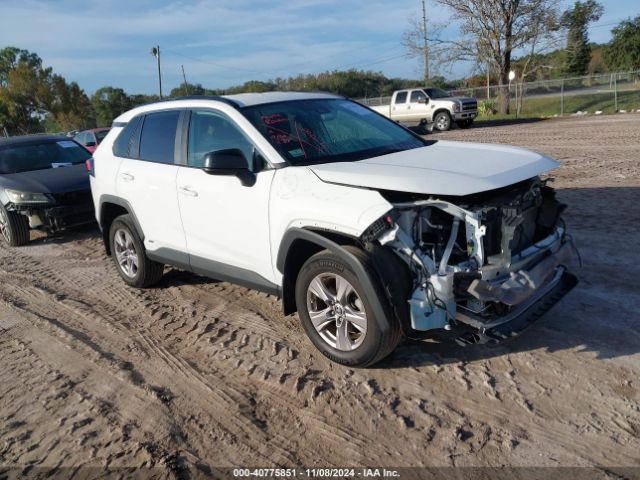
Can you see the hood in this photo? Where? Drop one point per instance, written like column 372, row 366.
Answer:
column 443, row 168
column 462, row 99
column 49, row 180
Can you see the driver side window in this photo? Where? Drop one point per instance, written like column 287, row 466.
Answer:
column 211, row 131
column 418, row 97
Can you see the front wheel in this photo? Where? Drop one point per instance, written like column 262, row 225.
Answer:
column 14, row 228
column 442, row 121
column 338, row 317
column 129, row 255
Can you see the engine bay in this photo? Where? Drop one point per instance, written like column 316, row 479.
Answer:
column 475, row 259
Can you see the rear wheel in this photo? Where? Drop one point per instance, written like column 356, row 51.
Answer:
column 442, row 121
column 14, row 228
column 338, row 317
column 129, row 255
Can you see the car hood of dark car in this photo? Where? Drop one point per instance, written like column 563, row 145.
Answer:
column 49, row 180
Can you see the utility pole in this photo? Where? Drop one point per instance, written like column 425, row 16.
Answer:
column 186, row 85
column 155, row 51
column 426, row 42
column 488, row 81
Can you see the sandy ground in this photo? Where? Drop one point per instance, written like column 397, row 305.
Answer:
column 197, row 374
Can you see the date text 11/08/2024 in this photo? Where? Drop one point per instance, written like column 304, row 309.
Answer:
column 316, row 472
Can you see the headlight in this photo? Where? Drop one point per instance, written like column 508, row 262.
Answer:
column 16, row 196
column 456, row 107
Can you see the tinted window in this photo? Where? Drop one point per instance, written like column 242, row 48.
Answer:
column 121, row 147
column 436, row 93
column 40, row 156
column 417, row 95
column 326, row 130
column 101, row 134
column 158, row 139
column 401, row 97
column 211, row 131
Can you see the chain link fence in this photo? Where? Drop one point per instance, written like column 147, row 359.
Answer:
column 606, row 93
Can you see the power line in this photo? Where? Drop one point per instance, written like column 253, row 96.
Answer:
column 218, row 65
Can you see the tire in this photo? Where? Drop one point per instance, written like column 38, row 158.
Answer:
column 129, row 255
column 360, row 349
column 464, row 123
column 442, row 121
column 14, row 228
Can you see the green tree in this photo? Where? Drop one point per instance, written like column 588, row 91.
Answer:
column 108, row 103
column 187, row 89
column 623, row 52
column 30, row 93
column 69, row 106
column 24, row 91
column 576, row 20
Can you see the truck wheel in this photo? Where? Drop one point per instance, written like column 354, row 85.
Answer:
column 336, row 315
column 129, row 255
column 14, row 228
column 442, row 121
column 464, row 123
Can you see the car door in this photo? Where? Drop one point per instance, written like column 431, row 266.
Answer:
column 147, row 181
column 418, row 103
column 226, row 223
column 399, row 108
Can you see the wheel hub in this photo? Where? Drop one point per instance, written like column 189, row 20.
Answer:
column 126, row 253
column 336, row 311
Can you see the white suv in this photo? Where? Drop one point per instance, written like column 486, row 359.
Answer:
column 368, row 231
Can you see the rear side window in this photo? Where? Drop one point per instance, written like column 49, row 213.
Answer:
column 126, row 139
column 401, row 97
column 158, row 140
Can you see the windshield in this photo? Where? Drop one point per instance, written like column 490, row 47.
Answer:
column 307, row 132
column 435, row 93
column 38, row 156
column 100, row 134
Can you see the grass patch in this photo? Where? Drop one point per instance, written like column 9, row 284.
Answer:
column 550, row 106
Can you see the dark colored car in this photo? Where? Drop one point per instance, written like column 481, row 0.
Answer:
column 44, row 184
column 90, row 139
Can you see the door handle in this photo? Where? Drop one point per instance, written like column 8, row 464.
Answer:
column 127, row 177
column 187, row 191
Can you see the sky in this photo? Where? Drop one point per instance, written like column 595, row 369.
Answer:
column 222, row 43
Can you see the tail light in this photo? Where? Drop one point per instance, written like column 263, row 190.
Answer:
column 89, row 166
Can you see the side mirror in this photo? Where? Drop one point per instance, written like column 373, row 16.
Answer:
column 90, row 144
column 229, row 162
column 225, row 162
column 423, row 100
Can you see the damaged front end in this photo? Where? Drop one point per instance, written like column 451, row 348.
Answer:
column 57, row 211
column 492, row 262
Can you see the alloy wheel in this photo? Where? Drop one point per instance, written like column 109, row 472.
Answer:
column 443, row 122
column 336, row 311
column 125, row 252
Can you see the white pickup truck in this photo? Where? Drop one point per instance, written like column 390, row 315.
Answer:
column 426, row 107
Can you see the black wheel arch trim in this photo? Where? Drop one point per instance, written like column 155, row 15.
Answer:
column 294, row 234
column 121, row 202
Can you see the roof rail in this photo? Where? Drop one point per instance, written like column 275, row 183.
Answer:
column 196, row 97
